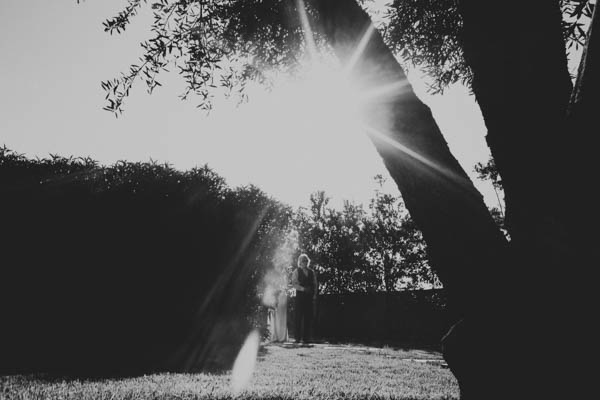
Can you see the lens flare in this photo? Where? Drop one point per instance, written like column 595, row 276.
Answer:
column 461, row 181
column 359, row 50
column 309, row 37
column 245, row 363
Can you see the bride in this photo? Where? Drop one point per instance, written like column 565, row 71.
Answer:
column 277, row 318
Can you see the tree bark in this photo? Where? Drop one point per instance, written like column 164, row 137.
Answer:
column 521, row 82
column 582, row 120
column 582, row 115
column 582, row 128
column 465, row 247
column 522, row 85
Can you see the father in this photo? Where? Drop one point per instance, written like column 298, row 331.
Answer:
column 304, row 280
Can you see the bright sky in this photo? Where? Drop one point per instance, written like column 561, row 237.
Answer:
column 55, row 54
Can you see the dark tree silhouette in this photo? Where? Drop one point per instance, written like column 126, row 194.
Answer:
column 515, row 59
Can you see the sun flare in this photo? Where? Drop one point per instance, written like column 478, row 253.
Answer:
column 309, row 132
column 244, row 364
column 312, row 125
column 321, row 103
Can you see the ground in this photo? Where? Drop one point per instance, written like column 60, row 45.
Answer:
column 283, row 372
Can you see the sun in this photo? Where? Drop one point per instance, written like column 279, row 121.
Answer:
column 318, row 105
column 303, row 135
column 307, row 132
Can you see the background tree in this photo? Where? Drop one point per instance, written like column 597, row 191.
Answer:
column 355, row 250
column 396, row 246
column 338, row 246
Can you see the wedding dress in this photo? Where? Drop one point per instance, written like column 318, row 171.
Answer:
column 278, row 319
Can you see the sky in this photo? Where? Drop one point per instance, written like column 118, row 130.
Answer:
column 55, row 54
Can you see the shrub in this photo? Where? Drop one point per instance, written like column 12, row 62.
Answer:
column 128, row 268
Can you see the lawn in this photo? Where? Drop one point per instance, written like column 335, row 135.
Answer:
column 282, row 372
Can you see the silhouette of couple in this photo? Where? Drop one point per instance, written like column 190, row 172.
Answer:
column 304, row 281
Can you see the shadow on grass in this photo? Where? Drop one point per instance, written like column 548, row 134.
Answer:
column 292, row 345
column 392, row 345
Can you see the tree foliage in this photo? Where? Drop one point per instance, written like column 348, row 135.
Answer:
column 398, row 248
column 426, row 34
column 210, row 43
column 224, row 44
column 359, row 250
column 489, row 172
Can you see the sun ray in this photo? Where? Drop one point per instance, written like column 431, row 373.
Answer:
column 191, row 351
column 424, row 160
column 359, row 50
column 309, row 37
column 387, row 91
column 245, row 364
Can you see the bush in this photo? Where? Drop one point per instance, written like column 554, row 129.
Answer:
column 130, row 268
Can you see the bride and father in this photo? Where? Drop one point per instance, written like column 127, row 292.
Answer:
column 304, row 281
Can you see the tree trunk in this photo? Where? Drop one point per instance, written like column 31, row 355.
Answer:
column 461, row 235
column 388, row 280
column 586, row 93
column 521, row 82
column 465, row 247
column 522, row 85
column 582, row 120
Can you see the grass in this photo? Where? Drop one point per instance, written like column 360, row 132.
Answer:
column 282, row 372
